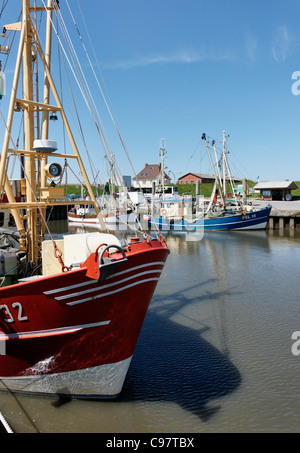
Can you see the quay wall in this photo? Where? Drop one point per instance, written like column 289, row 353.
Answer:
column 284, row 214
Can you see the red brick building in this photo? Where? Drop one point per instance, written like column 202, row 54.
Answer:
column 191, row 178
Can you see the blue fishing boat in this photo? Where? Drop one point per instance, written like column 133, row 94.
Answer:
column 255, row 220
column 222, row 212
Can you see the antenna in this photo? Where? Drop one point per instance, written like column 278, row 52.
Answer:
column 162, row 154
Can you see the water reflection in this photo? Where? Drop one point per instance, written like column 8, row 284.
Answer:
column 173, row 362
column 214, row 353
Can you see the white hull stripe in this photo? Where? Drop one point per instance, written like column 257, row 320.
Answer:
column 108, row 285
column 109, row 293
column 214, row 225
column 66, row 288
column 92, row 282
column 157, row 263
column 246, row 221
column 49, row 332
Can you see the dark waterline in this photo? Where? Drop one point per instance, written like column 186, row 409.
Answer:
column 214, row 354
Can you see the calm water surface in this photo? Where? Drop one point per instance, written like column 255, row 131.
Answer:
column 214, row 354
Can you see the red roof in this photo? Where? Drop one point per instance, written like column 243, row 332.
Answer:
column 150, row 171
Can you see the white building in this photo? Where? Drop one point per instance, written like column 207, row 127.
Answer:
column 150, row 173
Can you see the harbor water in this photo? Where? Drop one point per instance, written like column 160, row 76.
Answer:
column 215, row 354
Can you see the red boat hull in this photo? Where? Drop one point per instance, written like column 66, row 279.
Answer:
column 67, row 335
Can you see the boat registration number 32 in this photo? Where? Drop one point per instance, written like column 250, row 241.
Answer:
column 19, row 313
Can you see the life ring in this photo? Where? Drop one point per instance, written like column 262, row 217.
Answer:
column 163, row 211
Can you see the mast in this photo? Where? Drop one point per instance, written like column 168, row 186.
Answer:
column 219, row 175
column 29, row 137
column 163, row 152
column 217, row 182
column 45, row 120
column 4, row 181
column 37, row 198
column 226, row 165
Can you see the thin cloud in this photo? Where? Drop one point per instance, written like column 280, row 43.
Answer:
column 179, row 57
column 282, row 44
column 251, row 44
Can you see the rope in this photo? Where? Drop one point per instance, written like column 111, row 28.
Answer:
column 102, row 93
column 85, row 91
column 64, row 268
column 3, row 7
column 104, row 98
column 83, row 86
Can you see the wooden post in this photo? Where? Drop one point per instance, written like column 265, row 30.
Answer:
column 271, row 223
column 281, row 223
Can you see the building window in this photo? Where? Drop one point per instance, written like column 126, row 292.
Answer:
column 266, row 193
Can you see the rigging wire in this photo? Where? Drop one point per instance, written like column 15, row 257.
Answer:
column 61, row 90
column 102, row 93
column 4, row 4
column 93, row 110
column 192, row 155
column 73, row 99
column 11, row 44
column 59, row 41
column 80, row 78
column 108, row 148
column 35, row 198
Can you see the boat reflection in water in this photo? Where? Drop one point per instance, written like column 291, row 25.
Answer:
column 214, row 352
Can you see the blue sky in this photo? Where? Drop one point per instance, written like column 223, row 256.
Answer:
column 177, row 68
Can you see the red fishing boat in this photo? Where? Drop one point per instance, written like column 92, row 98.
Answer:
column 71, row 309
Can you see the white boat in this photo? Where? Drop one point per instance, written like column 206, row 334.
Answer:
column 87, row 215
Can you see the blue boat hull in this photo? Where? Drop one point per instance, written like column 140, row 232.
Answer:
column 255, row 220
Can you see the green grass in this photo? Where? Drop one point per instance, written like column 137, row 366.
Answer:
column 296, row 193
column 190, row 189
column 76, row 189
column 205, row 189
